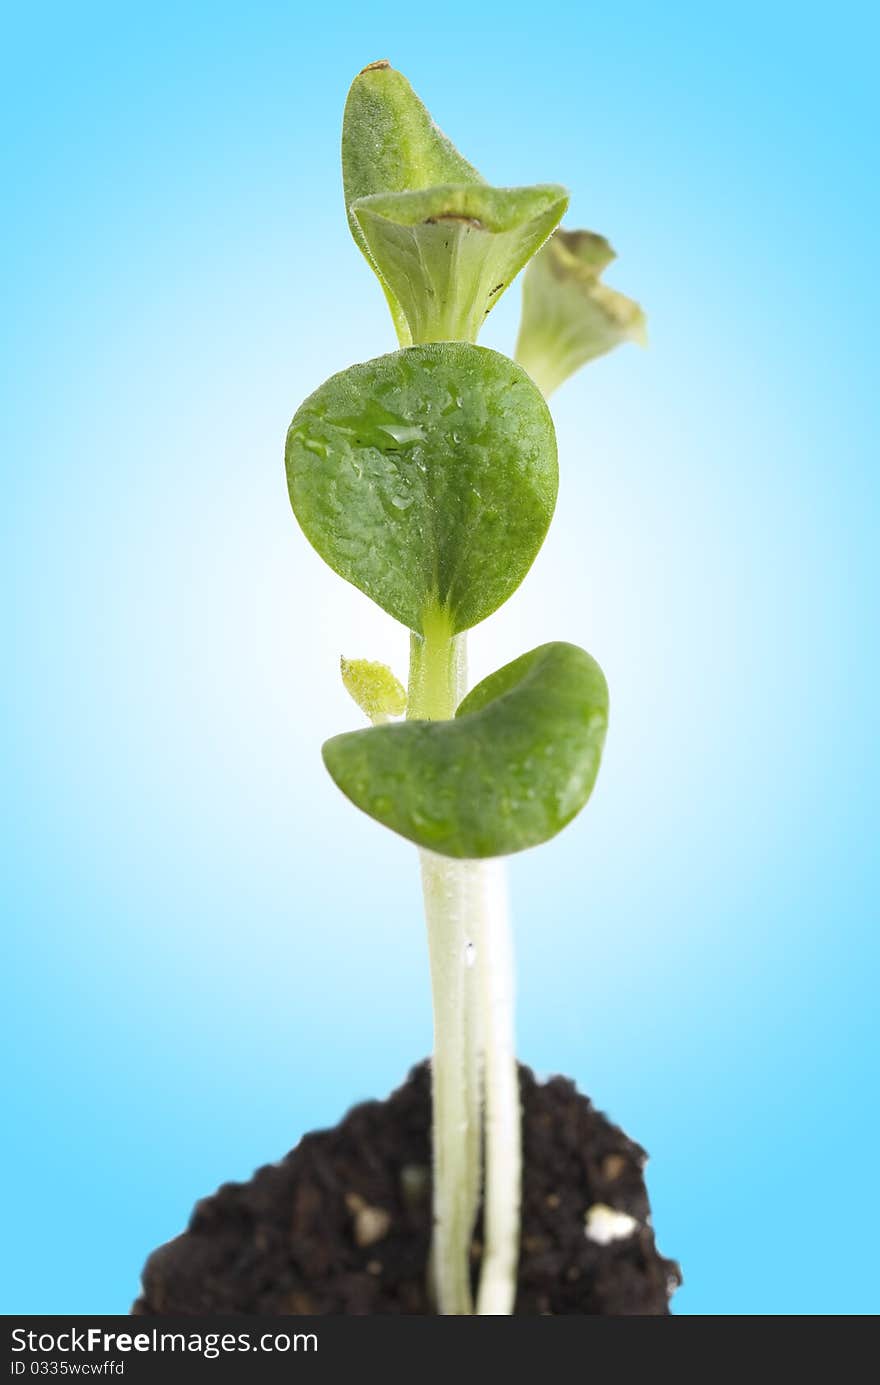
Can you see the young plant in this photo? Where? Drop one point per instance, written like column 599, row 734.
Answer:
column 428, row 479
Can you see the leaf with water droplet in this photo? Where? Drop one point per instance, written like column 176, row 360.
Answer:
column 420, row 522
column 569, row 317
column 513, row 767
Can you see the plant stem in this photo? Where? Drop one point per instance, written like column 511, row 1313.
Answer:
column 436, row 686
column 455, row 1096
column 472, row 988
column 437, row 671
column 503, row 1157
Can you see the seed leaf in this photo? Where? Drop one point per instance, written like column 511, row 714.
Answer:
column 448, row 253
column 427, row 478
column 515, row 765
column 569, row 317
column 391, row 144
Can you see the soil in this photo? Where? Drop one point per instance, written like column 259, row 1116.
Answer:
column 342, row 1224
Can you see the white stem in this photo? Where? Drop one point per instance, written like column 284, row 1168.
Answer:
column 474, row 1029
column 455, row 1095
column 438, row 678
column 472, row 987
column 503, row 1156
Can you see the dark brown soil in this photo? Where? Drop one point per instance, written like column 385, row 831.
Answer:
column 342, row 1224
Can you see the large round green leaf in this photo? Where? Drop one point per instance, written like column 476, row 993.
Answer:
column 514, row 766
column 427, row 478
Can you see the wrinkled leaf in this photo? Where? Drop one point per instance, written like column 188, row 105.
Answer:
column 427, row 478
column 374, row 688
column 448, row 253
column 569, row 317
column 515, row 765
column 391, row 144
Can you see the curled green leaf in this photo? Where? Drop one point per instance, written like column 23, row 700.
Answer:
column 391, row 144
column 569, row 317
column 513, row 767
column 374, row 688
column 427, row 478
column 448, row 253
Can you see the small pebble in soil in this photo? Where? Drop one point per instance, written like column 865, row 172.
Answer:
column 604, row 1224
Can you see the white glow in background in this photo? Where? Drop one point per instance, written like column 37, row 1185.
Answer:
column 209, row 950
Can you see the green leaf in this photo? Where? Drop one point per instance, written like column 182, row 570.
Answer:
column 515, row 765
column 374, row 688
column 448, row 253
column 569, row 317
column 391, row 144
column 427, row 478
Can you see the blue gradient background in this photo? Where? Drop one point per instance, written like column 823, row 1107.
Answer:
column 206, row 950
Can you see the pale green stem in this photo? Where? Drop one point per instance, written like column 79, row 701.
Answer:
column 502, row 1137
column 455, row 1101
column 473, row 1038
column 437, row 684
column 472, row 988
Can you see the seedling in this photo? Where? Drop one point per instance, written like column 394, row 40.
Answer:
column 428, row 479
